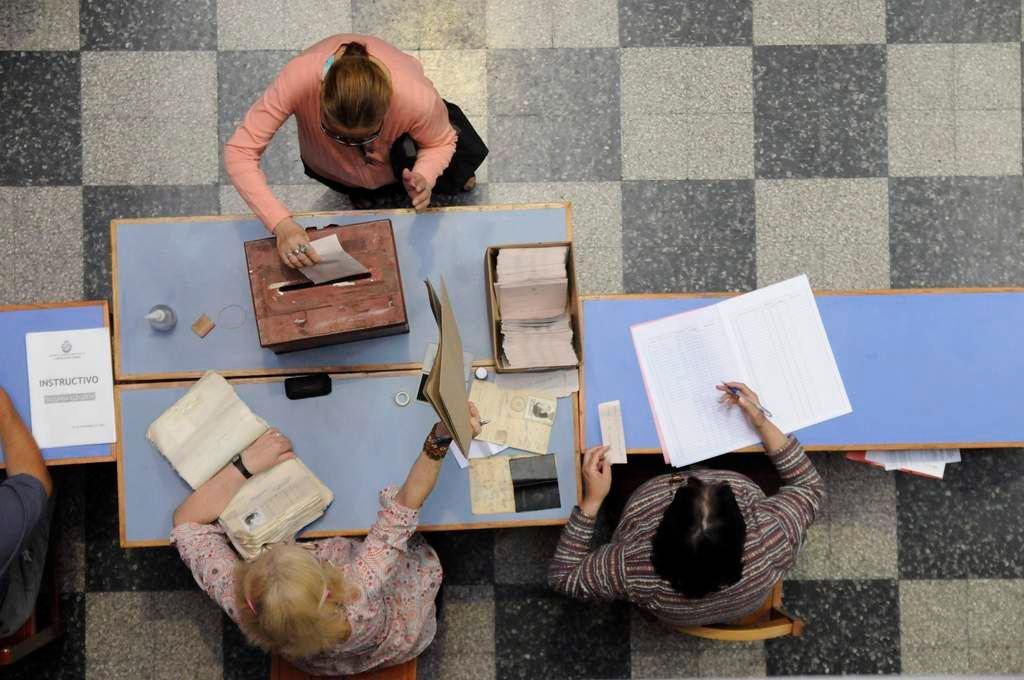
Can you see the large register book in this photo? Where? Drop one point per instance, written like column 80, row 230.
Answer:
column 203, row 431
column 771, row 339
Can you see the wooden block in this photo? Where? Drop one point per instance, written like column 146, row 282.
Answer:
column 203, row 326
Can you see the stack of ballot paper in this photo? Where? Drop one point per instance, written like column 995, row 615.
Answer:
column 532, row 289
column 203, row 431
column 925, row 462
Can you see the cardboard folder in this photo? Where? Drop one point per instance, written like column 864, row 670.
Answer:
column 445, row 388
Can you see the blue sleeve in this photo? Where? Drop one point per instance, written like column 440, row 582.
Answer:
column 23, row 502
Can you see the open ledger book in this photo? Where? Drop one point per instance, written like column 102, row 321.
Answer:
column 771, row 339
column 203, row 431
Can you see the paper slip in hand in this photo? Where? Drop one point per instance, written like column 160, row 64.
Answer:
column 335, row 263
column 612, row 434
column 477, row 449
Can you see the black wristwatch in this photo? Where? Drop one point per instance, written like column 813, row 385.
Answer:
column 237, row 462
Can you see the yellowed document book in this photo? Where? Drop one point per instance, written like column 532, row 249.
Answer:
column 490, row 486
column 517, row 418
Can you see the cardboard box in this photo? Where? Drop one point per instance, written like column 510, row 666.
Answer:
column 292, row 313
column 490, row 268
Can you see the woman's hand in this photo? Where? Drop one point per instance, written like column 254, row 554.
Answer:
column 747, row 400
column 597, row 479
column 474, row 422
column 292, row 240
column 269, row 450
column 416, row 186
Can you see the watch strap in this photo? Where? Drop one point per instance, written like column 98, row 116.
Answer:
column 237, row 462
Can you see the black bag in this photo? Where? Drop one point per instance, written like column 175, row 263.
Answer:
column 470, row 152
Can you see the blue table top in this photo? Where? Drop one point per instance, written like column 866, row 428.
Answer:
column 920, row 369
column 197, row 266
column 356, row 440
column 14, row 324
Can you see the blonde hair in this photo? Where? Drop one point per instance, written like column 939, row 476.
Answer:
column 281, row 603
column 356, row 91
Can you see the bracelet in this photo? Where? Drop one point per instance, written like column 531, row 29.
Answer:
column 435, row 447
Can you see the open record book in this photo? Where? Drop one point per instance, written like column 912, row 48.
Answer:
column 203, row 431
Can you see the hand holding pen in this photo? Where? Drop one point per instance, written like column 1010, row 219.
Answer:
column 738, row 393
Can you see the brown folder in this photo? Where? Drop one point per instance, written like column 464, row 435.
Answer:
column 445, row 388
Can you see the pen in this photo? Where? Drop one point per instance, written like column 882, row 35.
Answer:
column 484, row 422
column 739, row 395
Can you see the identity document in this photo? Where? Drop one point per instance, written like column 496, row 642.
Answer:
column 71, row 387
column 771, row 339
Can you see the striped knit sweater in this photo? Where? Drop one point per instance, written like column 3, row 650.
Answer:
column 622, row 569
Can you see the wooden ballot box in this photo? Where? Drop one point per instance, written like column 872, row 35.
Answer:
column 293, row 313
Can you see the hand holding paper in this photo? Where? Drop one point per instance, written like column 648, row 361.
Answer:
column 445, row 388
column 335, row 263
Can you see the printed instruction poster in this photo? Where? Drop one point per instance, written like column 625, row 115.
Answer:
column 71, row 387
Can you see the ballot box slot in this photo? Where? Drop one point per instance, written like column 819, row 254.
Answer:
column 303, row 285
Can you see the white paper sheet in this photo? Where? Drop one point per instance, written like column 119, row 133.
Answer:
column 71, row 387
column 335, row 263
column 612, row 434
column 477, row 449
column 771, row 339
column 930, row 462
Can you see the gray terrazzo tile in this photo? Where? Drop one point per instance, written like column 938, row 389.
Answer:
column 818, row 22
column 100, row 205
column 590, row 640
column 242, row 77
column 988, row 142
column 857, row 22
column 279, row 24
column 599, row 270
column 994, row 609
column 40, row 130
column 39, row 25
column 687, row 80
column 929, row 659
column 154, row 634
column 985, row 542
column 586, row 23
column 38, row 227
column 996, row 659
column 652, row 23
column 987, row 76
column 836, row 231
column 932, row 638
column 522, row 555
column 554, row 149
column 460, row 76
column 922, row 143
column 179, row 141
column 467, row 557
column 932, row 219
column 920, row 77
column 964, row 21
column 68, row 480
column 814, row 561
column 149, row 25
column 852, row 627
column 422, row 24
column 570, row 82
column 242, row 661
column 657, row 651
column 690, row 146
column 688, row 236
column 520, row 23
column 596, row 207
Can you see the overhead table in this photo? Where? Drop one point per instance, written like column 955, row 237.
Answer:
column 196, row 265
column 923, row 368
column 15, row 322
column 356, row 440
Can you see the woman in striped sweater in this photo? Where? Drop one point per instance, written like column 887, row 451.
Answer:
column 693, row 547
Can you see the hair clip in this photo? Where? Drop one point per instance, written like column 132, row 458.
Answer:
column 251, row 606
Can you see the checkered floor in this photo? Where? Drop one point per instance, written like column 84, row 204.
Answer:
column 705, row 144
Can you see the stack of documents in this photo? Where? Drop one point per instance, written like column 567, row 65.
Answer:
column 925, row 462
column 203, row 431
column 532, row 288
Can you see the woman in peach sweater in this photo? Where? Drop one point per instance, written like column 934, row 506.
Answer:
column 352, row 97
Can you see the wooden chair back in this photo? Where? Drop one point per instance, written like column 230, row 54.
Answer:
column 769, row 621
column 282, row 670
column 45, row 624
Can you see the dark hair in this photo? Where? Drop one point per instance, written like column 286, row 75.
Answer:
column 356, row 91
column 698, row 547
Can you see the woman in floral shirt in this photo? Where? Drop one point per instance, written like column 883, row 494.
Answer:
column 332, row 607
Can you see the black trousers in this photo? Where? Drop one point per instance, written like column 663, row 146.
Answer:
column 470, row 152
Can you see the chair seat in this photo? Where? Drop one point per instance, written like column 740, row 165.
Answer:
column 769, row 621
column 280, row 669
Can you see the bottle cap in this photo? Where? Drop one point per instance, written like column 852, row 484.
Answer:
column 402, row 398
column 481, row 373
column 157, row 315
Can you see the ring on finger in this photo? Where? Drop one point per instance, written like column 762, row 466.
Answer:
column 303, row 248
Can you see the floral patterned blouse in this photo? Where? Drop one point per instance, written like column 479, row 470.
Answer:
column 398, row 573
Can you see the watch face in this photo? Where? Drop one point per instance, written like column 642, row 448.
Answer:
column 443, row 441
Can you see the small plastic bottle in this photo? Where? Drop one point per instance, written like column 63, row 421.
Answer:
column 162, row 318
